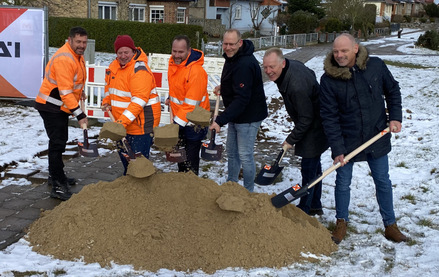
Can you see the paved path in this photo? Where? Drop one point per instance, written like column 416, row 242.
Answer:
column 21, row 205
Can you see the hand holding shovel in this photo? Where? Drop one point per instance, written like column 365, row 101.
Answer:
column 211, row 151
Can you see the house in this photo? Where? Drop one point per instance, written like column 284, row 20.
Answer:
column 242, row 15
column 160, row 11
column 387, row 8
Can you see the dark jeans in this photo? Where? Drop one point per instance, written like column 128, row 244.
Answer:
column 311, row 169
column 138, row 143
column 190, row 139
column 56, row 125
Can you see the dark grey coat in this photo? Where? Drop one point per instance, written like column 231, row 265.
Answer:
column 300, row 91
column 353, row 104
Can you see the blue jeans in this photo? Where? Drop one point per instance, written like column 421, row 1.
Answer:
column 311, row 169
column 240, row 151
column 138, row 143
column 383, row 186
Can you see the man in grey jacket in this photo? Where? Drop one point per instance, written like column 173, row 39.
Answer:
column 300, row 91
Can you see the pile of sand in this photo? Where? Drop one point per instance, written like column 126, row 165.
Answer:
column 177, row 221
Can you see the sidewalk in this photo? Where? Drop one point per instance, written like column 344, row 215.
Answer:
column 21, row 205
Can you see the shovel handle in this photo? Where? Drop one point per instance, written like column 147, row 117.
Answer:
column 111, row 115
column 215, row 113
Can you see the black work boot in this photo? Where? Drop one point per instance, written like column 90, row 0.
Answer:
column 60, row 190
column 70, row 181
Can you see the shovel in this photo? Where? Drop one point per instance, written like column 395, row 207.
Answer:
column 177, row 155
column 211, row 151
column 87, row 149
column 297, row 191
column 129, row 155
column 268, row 173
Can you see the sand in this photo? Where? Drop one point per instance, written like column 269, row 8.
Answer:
column 112, row 130
column 166, row 137
column 177, row 221
column 140, row 167
column 199, row 116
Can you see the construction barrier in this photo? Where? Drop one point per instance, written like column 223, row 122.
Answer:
column 95, row 84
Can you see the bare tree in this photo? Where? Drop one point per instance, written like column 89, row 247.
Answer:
column 258, row 13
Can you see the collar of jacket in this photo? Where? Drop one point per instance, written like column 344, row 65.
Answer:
column 332, row 68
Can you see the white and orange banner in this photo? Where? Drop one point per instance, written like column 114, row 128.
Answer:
column 22, row 50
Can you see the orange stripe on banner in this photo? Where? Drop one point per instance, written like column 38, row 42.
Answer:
column 158, row 79
column 8, row 90
column 7, row 16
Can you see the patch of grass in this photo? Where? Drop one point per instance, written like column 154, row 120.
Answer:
column 401, row 164
column 28, row 273
column 390, row 264
column 206, row 167
column 406, row 65
column 425, row 222
column 433, row 171
column 410, row 198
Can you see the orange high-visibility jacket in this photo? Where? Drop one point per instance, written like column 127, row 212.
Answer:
column 187, row 86
column 63, row 82
column 131, row 92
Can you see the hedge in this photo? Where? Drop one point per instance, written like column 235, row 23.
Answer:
column 151, row 37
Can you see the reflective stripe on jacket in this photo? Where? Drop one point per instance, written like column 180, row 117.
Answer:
column 63, row 82
column 131, row 92
column 187, row 86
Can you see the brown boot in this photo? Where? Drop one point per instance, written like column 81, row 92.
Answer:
column 340, row 230
column 392, row 233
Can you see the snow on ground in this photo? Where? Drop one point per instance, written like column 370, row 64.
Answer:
column 414, row 172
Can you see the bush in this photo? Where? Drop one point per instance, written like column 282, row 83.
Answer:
column 302, row 22
column 423, row 20
column 333, row 25
column 429, row 40
column 151, row 37
column 408, row 18
column 397, row 18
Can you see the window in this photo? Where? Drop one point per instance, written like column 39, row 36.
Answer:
column 107, row 10
column 181, row 15
column 156, row 14
column 137, row 12
column 238, row 11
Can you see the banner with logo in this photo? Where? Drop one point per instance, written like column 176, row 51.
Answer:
column 22, row 50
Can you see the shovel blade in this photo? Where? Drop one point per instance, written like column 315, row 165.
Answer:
column 267, row 176
column 90, row 151
column 211, row 152
column 176, row 156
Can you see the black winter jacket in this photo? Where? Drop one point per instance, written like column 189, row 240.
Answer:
column 353, row 104
column 242, row 89
column 300, row 91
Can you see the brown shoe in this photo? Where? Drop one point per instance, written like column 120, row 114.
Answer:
column 392, row 233
column 340, row 230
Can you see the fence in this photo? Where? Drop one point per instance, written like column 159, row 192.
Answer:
column 285, row 41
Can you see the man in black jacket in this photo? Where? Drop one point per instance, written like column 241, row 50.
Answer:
column 356, row 91
column 300, row 91
column 243, row 96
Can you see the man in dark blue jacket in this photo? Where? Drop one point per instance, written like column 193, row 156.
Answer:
column 243, row 96
column 356, row 91
column 300, row 91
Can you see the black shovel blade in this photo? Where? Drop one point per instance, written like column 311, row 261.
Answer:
column 211, row 151
column 176, row 156
column 267, row 175
column 293, row 193
column 86, row 149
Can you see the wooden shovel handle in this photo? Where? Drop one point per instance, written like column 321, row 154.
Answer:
column 215, row 113
column 111, row 115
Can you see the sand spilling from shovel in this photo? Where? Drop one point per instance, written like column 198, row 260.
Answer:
column 199, row 116
column 112, row 130
column 140, row 167
column 180, row 222
column 166, row 137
